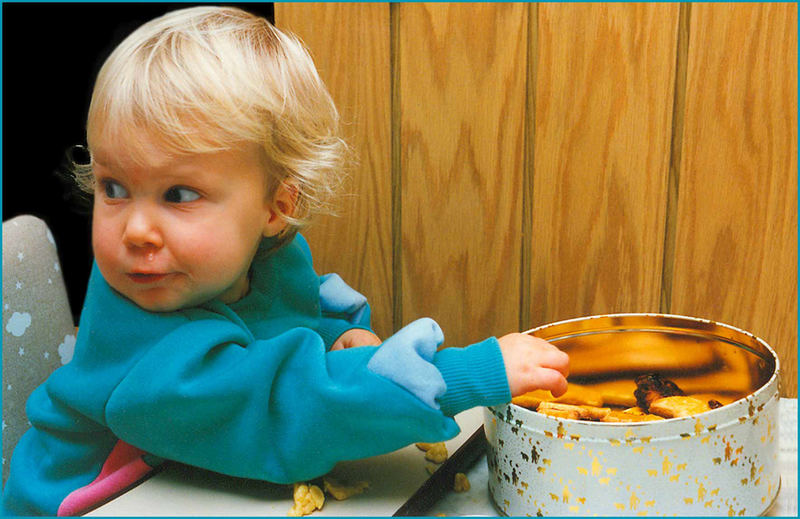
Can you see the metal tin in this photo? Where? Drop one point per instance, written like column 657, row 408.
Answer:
column 721, row 462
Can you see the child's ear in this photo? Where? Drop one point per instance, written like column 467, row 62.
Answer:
column 283, row 204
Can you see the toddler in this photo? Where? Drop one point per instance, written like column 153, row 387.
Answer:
column 206, row 336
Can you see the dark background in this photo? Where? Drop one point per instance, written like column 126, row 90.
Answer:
column 51, row 55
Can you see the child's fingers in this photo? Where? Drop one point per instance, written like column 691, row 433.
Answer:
column 557, row 383
column 544, row 378
column 545, row 344
column 555, row 359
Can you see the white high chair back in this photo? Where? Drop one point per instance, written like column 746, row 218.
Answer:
column 38, row 328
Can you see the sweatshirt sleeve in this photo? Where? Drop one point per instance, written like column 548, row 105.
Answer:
column 284, row 409
column 281, row 409
column 474, row 376
column 450, row 379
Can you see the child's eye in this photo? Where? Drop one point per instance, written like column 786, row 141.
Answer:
column 181, row 194
column 114, row 189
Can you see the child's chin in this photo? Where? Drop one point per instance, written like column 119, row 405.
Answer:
column 167, row 304
column 152, row 304
column 158, row 306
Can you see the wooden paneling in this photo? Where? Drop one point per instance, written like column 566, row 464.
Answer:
column 736, row 251
column 462, row 105
column 602, row 126
column 350, row 46
column 526, row 163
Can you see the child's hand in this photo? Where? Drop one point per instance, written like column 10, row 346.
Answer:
column 355, row 337
column 533, row 363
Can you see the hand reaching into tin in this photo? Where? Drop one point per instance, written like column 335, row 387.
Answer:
column 533, row 363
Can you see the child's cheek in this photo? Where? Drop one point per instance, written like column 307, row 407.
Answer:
column 106, row 239
column 101, row 234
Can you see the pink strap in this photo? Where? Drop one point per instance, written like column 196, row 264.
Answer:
column 123, row 467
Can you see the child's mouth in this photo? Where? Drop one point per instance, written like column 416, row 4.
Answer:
column 137, row 277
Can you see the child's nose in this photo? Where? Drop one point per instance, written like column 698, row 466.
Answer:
column 141, row 230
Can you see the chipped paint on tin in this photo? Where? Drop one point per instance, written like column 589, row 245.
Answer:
column 723, row 462
column 602, row 466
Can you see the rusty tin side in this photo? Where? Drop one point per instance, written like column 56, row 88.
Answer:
column 722, row 462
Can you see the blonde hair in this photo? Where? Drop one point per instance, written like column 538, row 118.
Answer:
column 203, row 79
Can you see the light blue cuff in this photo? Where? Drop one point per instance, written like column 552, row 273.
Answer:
column 337, row 298
column 475, row 376
column 406, row 358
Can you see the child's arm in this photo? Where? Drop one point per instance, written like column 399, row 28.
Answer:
column 281, row 409
column 285, row 410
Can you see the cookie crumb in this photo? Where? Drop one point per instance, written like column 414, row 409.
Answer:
column 307, row 498
column 341, row 491
column 461, row 483
column 437, row 453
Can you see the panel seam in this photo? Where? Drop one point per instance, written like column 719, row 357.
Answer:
column 676, row 145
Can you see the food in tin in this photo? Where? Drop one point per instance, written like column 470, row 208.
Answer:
column 575, row 412
column 632, row 414
column 663, row 397
column 678, row 406
column 576, row 395
column 652, row 397
column 651, row 387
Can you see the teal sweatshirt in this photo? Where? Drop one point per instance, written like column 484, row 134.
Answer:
column 249, row 389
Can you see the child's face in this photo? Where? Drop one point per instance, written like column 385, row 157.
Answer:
column 178, row 231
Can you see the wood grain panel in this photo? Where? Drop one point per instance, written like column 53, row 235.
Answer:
column 736, row 252
column 350, row 44
column 602, row 125
column 462, row 104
